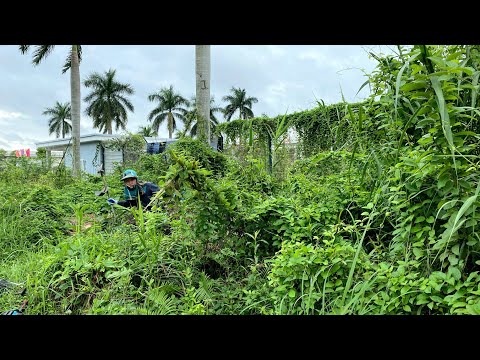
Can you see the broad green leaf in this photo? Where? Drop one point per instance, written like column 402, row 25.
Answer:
column 419, row 219
column 457, row 224
column 474, row 309
column 442, row 108
column 418, row 252
column 471, row 133
column 442, row 182
column 414, row 86
column 454, row 272
column 455, row 249
column 467, row 70
column 453, row 259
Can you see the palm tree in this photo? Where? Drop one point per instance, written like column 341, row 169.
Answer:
column 239, row 101
column 169, row 107
column 107, row 101
column 60, row 117
column 191, row 118
column 73, row 63
column 147, row 131
column 202, row 87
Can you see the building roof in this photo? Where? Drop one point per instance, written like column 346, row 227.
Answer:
column 62, row 144
column 154, row 139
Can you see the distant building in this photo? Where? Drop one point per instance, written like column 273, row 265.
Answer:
column 93, row 154
column 156, row 145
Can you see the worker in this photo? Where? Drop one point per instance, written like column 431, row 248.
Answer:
column 134, row 189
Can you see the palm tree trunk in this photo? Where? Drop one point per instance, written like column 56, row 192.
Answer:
column 202, row 71
column 170, row 124
column 75, row 100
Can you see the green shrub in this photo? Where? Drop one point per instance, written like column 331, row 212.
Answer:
column 308, row 278
column 207, row 157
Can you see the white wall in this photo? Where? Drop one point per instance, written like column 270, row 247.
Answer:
column 112, row 157
column 90, row 160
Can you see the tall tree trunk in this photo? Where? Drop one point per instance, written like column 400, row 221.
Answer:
column 202, row 70
column 75, row 100
column 170, row 124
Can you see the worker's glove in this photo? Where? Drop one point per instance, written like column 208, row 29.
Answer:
column 112, row 201
column 12, row 312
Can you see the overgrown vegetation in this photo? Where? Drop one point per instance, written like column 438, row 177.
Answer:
column 373, row 211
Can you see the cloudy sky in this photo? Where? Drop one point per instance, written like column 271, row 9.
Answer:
column 284, row 79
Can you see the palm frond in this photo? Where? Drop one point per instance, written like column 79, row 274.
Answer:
column 238, row 101
column 107, row 105
column 41, row 52
column 24, row 48
column 171, row 106
column 68, row 61
column 60, row 119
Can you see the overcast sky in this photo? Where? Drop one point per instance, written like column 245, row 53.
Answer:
column 283, row 79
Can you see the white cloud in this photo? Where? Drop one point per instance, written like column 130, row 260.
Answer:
column 9, row 115
column 318, row 57
column 322, row 59
column 281, row 96
column 277, row 89
column 276, row 50
column 13, row 141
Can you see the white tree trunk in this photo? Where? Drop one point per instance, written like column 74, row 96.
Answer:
column 75, row 100
column 202, row 71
